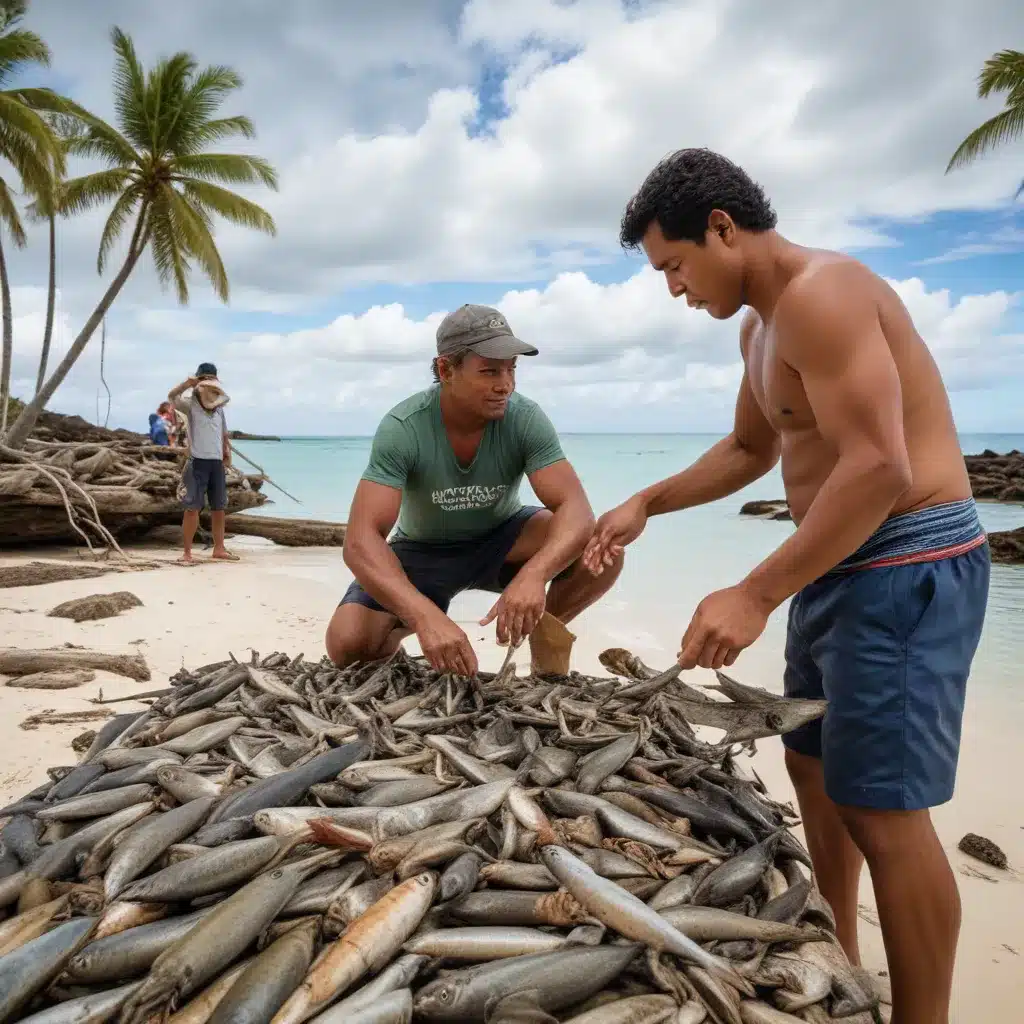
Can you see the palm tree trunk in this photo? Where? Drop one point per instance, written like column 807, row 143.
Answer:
column 27, row 420
column 51, row 300
column 8, row 342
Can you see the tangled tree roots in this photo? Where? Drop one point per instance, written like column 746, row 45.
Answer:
column 91, row 492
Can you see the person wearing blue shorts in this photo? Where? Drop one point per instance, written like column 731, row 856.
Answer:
column 888, row 568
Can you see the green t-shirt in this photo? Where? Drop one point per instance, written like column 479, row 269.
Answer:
column 441, row 500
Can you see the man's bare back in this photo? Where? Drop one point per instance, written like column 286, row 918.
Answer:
column 936, row 461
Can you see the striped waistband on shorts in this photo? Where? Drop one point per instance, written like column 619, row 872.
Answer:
column 925, row 535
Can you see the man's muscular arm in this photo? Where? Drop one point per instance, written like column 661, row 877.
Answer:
column 745, row 455
column 831, row 335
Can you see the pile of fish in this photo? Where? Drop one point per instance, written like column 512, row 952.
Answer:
column 283, row 841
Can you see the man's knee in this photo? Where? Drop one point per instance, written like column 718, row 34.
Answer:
column 356, row 633
column 344, row 644
column 881, row 834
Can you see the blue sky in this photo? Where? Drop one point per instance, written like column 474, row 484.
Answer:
column 439, row 152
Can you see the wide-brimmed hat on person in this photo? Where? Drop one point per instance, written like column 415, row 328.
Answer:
column 208, row 389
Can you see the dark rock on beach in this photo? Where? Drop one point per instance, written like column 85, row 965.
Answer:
column 994, row 477
column 1007, row 546
column 777, row 510
column 997, row 477
column 982, row 849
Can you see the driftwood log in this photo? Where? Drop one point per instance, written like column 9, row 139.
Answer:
column 64, row 718
column 293, row 533
column 53, row 680
column 22, row 662
column 59, row 491
column 96, row 606
column 34, row 574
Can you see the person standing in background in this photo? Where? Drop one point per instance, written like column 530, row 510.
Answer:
column 209, row 456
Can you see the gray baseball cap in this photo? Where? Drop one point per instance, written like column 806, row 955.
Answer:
column 482, row 330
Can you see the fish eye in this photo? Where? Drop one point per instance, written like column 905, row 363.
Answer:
column 444, row 995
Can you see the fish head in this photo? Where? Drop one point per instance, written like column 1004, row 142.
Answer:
column 429, row 881
column 440, row 999
column 553, row 858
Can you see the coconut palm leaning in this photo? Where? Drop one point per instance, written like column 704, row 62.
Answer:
column 1002, row 72
column 29, row 147
column 161, row 181
column 45, row 208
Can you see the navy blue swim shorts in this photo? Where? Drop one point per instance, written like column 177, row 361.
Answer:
column 205, row 478
column 888, row 637
column 440, row 571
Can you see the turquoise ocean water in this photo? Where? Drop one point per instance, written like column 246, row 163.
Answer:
column 679, row 558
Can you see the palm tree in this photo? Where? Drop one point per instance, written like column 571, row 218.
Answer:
column 46, row 207
column 28, row 145
column 1003, row 72
column 161, row 180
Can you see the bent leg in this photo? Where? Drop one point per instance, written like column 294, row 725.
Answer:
column 357, row 633
column 918, row 907
column 574, row 589
column 837, row 860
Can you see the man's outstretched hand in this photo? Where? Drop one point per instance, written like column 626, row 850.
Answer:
column 615, row 530
column 723, row 624
column 519, row 609
column 446, row 646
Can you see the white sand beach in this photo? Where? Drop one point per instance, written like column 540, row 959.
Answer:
column 280, row 599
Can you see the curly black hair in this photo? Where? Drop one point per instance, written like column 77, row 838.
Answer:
column 684, row 188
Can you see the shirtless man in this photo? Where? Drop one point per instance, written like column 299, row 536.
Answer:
column 888, row 567
column 445, row 467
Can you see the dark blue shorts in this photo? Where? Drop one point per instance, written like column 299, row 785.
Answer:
column 440, row 571
column 205, row 478
column 890, row 647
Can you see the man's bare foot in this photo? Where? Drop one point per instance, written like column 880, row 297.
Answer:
column 186, row 560
column 224, row 556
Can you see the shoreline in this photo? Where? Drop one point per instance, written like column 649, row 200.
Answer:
column 280, row 599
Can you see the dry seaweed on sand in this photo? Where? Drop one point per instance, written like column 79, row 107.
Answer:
column 283, row 841
column 64, row 718
column 95, row 606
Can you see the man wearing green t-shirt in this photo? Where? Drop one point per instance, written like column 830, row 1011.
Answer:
column 445, row 467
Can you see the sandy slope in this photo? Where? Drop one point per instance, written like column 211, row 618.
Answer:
column 280, row 599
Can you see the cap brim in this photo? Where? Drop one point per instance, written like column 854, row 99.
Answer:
column 503, row 346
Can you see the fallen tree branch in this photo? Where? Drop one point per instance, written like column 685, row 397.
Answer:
column 17, row 662
column 34, row 574
column 65, row 718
